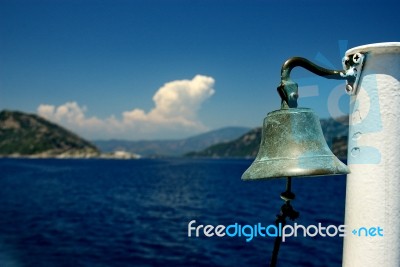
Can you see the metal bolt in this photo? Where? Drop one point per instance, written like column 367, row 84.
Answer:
column 357, row 58
column 349, row 89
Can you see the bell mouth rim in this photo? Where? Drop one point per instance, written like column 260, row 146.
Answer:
column 295, row 158
column 333, row 166
column 316, row 173
column 293, row 176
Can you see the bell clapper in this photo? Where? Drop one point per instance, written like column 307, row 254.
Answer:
column 287, row 211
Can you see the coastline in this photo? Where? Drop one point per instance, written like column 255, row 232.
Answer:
column 114, row 155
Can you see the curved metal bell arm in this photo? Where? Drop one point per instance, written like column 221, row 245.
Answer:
column 288, row 89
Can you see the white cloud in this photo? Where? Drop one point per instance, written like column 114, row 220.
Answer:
column 69, row 114
column 176, row 105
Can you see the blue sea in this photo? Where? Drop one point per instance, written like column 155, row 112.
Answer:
column 99, row 213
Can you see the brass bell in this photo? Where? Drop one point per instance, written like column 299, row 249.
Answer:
column 292, row 142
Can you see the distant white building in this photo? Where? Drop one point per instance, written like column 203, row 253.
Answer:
column 120, row 154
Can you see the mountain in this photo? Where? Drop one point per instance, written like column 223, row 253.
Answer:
column 23, row 134
column 245, row 146
column 335, row 133
column 172, row 147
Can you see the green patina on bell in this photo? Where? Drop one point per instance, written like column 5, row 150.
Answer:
column 293, row 144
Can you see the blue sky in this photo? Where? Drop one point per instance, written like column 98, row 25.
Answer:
column 170, row 69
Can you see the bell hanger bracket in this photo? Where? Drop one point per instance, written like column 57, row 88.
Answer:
column 288, row 89
column 353, row 64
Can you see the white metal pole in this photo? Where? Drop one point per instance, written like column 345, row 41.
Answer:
column 372, row 215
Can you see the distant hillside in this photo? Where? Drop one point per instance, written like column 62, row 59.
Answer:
column 172, row 147
column 29, row 134
column 335, row 132
column 245, row 146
